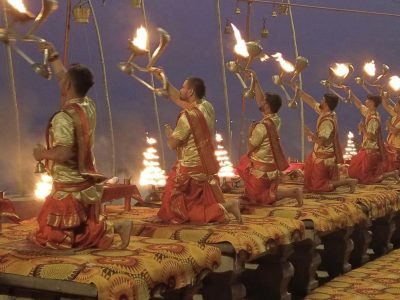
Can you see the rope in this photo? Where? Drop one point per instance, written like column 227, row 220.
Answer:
column 163, row 163
column 221, row 48
column 336, row 9
column 67, row 33
column 296, row 53
column 248, row 19
column 15, row 103
column 105, row 82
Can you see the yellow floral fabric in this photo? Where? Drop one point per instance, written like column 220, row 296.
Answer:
column 379, row 199
column 132, row 273
column 379, row 279
column 335, row 210
column 251, row 236
column 327, row 215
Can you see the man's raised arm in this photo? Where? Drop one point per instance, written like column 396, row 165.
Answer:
column 260, row 96
column 307, row 98
column 173, row 93
column 386, row 105
column 353, row 98
column 58, row 67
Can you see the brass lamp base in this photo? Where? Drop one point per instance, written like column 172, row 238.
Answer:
column 81, row 14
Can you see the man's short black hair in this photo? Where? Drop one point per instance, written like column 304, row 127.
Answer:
column 331, row 100
column 274, row 101
column 198, row 86
column 81, row 78
column 375, row 98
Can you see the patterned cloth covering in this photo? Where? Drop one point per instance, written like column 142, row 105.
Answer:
column 254, row 236
column 380, row 199
column 335, row 210
column 379, row 279
column 327, row 215
column 118, row 274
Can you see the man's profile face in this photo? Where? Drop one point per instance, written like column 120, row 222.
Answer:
column 185, row 92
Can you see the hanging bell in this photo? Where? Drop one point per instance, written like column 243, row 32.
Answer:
column 228, row 28
column 40, row 168
column 81, row 13
column 274, row 14
column 237, row 10
column 283, row 9
column 264, row 33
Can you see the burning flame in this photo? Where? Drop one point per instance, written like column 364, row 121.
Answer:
column 340, row 70
column 394, row 83
column 152, row 173
column 43, row 187
column 350, row 149
column 240, row 47
column 18, row 5
column 226, row 167
column 151, row 141
column 370, row 69
column 140, row 40
column 286, row 66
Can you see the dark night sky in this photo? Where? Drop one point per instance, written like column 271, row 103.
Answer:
column 323, row 37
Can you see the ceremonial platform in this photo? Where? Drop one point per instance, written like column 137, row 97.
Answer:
column 148, row 268
column 346, row 224
column 265, row 243
column 274, row 254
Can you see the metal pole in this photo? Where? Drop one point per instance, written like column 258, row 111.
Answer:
column 67, row 33
column 226, row 98
column 15, row 104
column 106, row 93
column 296, row 53
column 248, row 16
